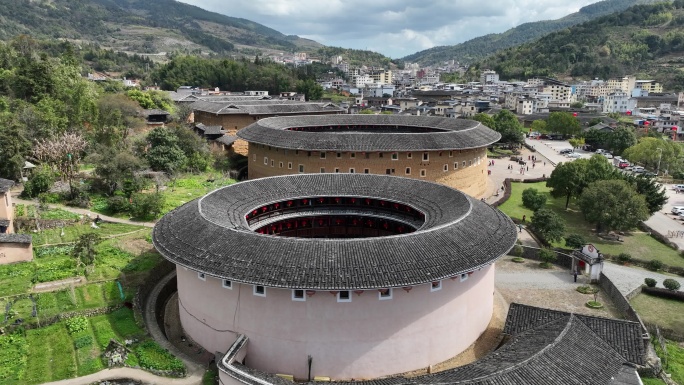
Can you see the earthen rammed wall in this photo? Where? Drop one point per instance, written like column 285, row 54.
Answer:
column 367, row 337
column 465, row 170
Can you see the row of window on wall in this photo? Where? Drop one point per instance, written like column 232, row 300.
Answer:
column 366, row 155
column 342, row 295
column 423, row 172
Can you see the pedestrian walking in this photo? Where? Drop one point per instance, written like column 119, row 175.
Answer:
column 544, row 164
column 519, row 228
column 574, row 274
column 528, row 168
column 524, row 217
column 533, row 166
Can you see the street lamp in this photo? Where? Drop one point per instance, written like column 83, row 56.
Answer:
column 660, row 155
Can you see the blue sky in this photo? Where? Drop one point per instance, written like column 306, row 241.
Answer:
column 395, row 28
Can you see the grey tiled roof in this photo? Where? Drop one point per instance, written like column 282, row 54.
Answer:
column 560, row 351
column 5, row 185
column 623, row 336
column 15, row 238
column 226, row 139
column 263, row 107
column 454, row 134
column 460, row 234
column 213, row 130
column 4, row 222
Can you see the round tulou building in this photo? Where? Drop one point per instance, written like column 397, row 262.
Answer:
column 452, row 152
column 335, row 275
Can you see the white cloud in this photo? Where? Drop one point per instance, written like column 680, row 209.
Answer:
column 394, row 28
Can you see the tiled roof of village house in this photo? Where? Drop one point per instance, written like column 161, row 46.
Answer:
column 558, row 350
column 15, row 238
column 5, row 185
column 460, row 234
column 454, row 134
column 4, row 222
column 226, row 139
column 262, row 107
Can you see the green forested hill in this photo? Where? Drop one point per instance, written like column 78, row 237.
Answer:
column 481, row 47
column 647, row 40
column 141, row 26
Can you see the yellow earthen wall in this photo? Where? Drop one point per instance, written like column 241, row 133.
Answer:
column 15, row 252
column 471, row 178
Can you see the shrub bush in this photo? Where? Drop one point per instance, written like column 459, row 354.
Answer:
column 40, row 182
column 532, row 199
column 547, row 257
column 152, row 356
column 76, row 324
column 664, row 293
column 671, row 284
column 624, row 258
column 117, row 204
column 654, row 265
column 650, row 282
column 147, row 206
column 575, row 241
column 517, row 251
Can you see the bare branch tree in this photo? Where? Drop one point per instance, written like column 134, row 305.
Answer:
column 62, row 154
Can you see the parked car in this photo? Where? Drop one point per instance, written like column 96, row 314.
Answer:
column 677, row 210
column 624, row 164
column 573, row 155
column 600, row 151
column 648, row 174
column 608, row 155
column 679, row 187
column 565, row 151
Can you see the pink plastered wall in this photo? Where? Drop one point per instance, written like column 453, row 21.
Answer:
column 365, row 338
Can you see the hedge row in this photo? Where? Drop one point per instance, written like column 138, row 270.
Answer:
column 663, row 293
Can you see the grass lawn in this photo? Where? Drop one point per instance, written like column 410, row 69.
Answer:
column 675, row 361
column 189, row 187
column 666, row 313
column 639, row 244
column 652, row 381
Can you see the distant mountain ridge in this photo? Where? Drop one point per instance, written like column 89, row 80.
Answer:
column 644, row 40
column 483, row 46
column 141, row 26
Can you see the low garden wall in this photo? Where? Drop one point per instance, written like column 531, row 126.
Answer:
column 562, row 258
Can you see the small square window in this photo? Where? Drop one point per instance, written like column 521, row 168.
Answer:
column 464, row 163
column 470, row 163
column 272, row 163
column 408, row 170
column 451, row 154
column 301, row 168
column 426, row 156
column 409, row 155
column 322, row 154
column 254, row 158
column 368, row 155
column 366, row 171
column 202, row 276
column 380, row 155
column 352, row 155
column 351, row 171
column 322, row 170
column 435, row 286
column 259, row 291
column 344, row 296
column 464, row 277
column 423, row 173
column 308, row 153
column 395, row 156
column 266, row 160
column 337, row 170
column 339, row 155
column 455, row 165
column 227, row 284
column 280, row 164
column 296, row 152
column 289, row 165
column 298, row 295
column 446, row 168
column 385, row 294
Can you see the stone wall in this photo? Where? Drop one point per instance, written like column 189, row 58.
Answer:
column 621, row 302
column 465, row 170
column 157, row 273
column 562, row 259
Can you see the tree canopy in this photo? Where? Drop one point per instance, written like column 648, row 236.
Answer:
column 568, row 179
column 613, row 205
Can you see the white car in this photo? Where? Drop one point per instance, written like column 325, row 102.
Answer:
column 573, row 155
column 638, row 169
column 678, row 210
column 608, row 155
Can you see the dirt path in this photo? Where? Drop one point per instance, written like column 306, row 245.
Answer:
column 85, row 212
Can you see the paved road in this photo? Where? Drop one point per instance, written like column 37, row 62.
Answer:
column 550, row 148
column 663, row 221
column 627, row 279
